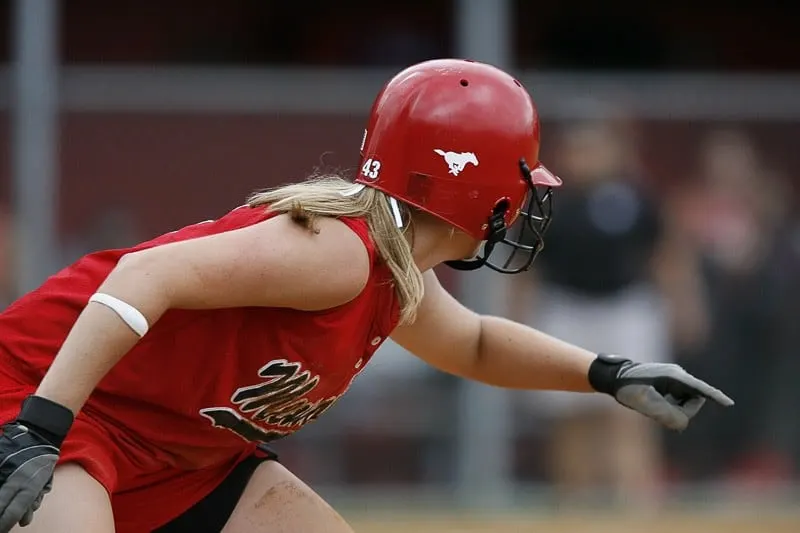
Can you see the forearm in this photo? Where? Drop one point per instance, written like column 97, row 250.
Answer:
column 100, row 338
column 514, row 356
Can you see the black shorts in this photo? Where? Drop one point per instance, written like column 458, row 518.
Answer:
column 210, row 514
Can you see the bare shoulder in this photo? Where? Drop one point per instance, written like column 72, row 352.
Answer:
column 330, row 242
column 275, row 263
column 331, row 260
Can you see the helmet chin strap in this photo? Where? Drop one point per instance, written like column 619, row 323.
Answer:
column 472, row 264
column 497, row 232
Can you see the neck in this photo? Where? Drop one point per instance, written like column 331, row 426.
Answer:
column 426, row 249
column 433, row 243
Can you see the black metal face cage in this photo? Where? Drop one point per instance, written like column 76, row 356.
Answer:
column 522, row 242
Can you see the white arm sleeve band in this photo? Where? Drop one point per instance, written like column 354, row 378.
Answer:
column 128, row 313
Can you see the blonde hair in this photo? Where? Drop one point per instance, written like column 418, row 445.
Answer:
column 333, row 196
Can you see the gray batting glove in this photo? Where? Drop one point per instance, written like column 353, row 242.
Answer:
column 664, row 392
column 29, row 451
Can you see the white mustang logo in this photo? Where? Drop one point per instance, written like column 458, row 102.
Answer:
column 457, row 161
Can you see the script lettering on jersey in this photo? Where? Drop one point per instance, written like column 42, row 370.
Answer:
column 279, row 402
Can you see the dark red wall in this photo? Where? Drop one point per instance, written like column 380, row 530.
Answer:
column 176, row 169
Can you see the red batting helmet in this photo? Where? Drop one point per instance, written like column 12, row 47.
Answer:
column 460, row 140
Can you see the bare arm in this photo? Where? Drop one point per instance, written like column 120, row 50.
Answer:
column 490, row 349
column 522, row 296
column 273, row 264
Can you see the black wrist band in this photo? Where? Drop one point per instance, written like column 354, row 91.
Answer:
column 46, row 415
column 603, row 372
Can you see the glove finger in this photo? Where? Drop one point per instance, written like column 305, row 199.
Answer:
column 9, row 516
column 708, row 391
column 38, row 502
column 22, row 488
column 27, row 518
column 691, row 407
column 700, row 386
column 15, row 511
column 7, row 493
column 646, row 400
column 654, row 371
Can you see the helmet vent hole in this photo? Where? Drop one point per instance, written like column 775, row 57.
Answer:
column 464, row 83
column 517, row 83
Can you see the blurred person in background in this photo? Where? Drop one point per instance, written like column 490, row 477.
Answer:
column 142, row 384
column 780, row 424
column 736, row 216
column 612, row 275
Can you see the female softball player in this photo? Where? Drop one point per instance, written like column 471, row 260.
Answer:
column 138, row 387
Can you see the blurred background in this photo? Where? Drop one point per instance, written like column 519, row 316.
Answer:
column 676, row 235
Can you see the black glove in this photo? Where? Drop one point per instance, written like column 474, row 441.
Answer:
column 663, row 392
column 29, row 449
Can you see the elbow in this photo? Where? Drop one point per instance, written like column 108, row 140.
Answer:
column 127, row 264
column 132, row 269
column 479, row 352
column 136, row 280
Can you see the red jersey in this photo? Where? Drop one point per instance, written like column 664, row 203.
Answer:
column 203, row 386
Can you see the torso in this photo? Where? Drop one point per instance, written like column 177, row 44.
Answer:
column 613, row 227
column 202, row 385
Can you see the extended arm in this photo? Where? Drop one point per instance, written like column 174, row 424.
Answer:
column 491, row 349
column 500, row 352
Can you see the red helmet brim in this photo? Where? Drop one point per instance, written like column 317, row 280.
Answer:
column 541, row 176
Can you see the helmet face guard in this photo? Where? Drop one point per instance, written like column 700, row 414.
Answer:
column 521, row 243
